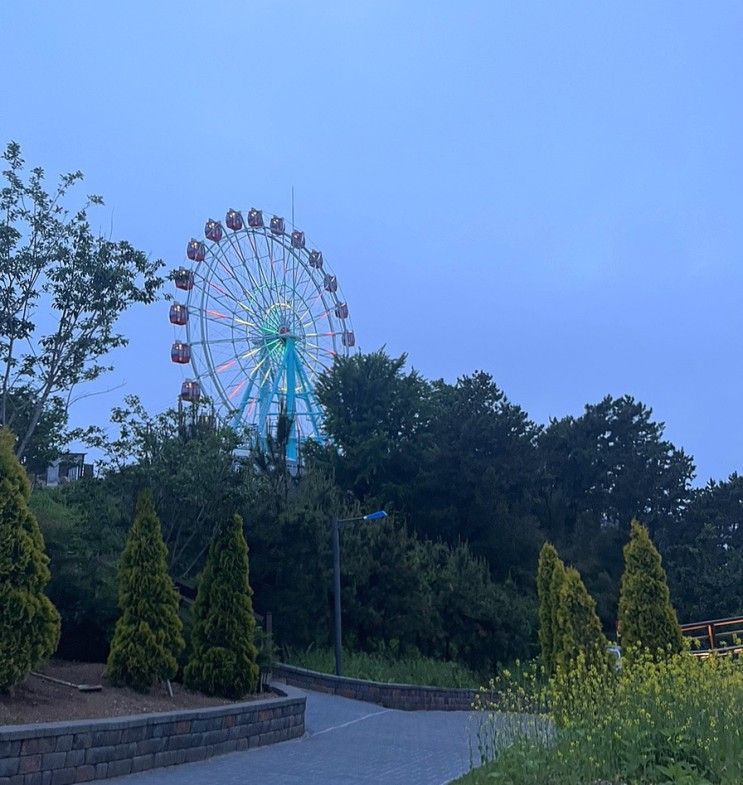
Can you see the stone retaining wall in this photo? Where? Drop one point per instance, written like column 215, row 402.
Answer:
column 62, row 753
column 409, row 697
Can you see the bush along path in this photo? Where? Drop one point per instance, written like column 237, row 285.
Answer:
column 148, row 635
column 29, row 623
column 223, row 660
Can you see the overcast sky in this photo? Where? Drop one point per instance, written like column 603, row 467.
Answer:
column 552, row 192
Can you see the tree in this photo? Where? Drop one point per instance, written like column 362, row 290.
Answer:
column 29, row 623
column 148, row 635
column 578, row 629
column 646, row 617
column 548, row 588
column 189, row 464
column 375, row 414
column 224, row 656
column 55, row 270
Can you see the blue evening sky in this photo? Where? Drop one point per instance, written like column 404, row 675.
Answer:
column 552, row 192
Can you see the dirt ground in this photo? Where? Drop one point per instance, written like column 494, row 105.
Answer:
column 38, row 700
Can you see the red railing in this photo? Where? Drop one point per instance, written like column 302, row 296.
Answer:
column 720, row 636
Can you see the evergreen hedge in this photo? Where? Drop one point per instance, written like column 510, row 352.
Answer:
column 646, row 617
column 578, row 628
column 29, row 622
column 548, row 587
column 224, row 656
column 148, row 635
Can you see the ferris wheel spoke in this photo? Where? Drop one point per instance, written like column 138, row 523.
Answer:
column 266, row 284
column 225, row 289
column 256, row 285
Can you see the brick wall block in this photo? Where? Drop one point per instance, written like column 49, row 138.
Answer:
column 84, row 773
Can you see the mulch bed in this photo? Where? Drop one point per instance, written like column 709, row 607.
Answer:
column 38, row 700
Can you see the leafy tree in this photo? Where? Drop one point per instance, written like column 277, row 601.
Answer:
column 148, row 635
column 611, row 465
column 549, row 565
column 224, row 656
column 50, row 434
column 55, row 270
column 190, row 466
column 29, row 623
column 477, row 471
column 84, row 549
column 578, row 629
column 374, row 415
column 646, row 617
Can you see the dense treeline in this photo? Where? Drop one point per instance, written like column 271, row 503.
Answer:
column 473, row 488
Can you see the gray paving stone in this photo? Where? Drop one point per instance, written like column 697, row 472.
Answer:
column 347, row 742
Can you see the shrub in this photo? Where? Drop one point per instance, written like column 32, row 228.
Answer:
column 224, row 656
column 674, row 720
column 547, row 591
column 646, row 616
column 84, row 555
column 29, row 623
column 577, row 631
column 148, row 635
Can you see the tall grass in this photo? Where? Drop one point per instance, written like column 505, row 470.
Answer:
column 677, row 720
column 385, row 667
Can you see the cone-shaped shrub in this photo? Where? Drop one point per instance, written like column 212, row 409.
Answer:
column 646, row 617
column 548, row 588
column 224, row 656
column 578, row 628
column 148, row 635
column 29, row 623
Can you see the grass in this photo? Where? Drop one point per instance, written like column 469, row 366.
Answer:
column 386, row 668
column 672, row 722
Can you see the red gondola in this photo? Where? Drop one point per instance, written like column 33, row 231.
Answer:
column 341, row 311
column 234, row 220
column 191, row 391
column 180, row 353
column 255, row 218
column 349, row 339
column 195, row 250
column 183, row 279
column 316, row 259
column 213, row 230
column 330, row 283
column 178, row 314
column 297, row 239
column 277, row 225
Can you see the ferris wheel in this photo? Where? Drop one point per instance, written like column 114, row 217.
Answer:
column 263, row 318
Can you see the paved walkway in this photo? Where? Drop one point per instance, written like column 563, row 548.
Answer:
column 346, row 743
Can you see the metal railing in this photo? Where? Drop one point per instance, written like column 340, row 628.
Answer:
column 716, row 636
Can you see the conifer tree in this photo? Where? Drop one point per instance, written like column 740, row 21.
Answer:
column 548, row 588
column 646, row 617
column 148, row 635
column 224, row 656
column 29, row 623
column 578, row 628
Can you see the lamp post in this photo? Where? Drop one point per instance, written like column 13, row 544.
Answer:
column 372, row 516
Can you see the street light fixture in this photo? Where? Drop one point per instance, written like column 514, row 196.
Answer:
column 372, row 516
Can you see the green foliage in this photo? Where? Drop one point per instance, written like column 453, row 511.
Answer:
column 148, row 635
column 51, row 261
column 386, row 666
column 84, row 551
column 29, row 623
column 646, row 617
column 224, row 656
column 195, row 479
column 577, row 631
column 549, row 563
column 655, row 722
